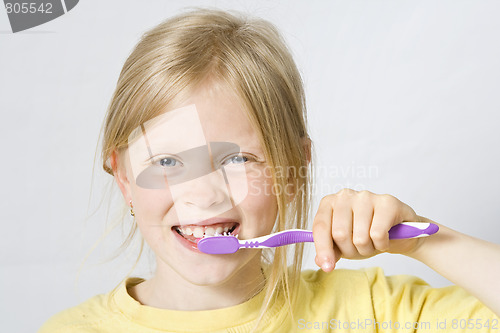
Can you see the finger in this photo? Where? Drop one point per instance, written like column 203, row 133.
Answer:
column 362, row 215
column 337, row 253
column 329, row 265
column 407, row 214
column 342, row 230
column 385, row 215
column 325, row 254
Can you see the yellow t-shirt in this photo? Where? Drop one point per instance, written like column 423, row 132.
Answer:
column 340, row 301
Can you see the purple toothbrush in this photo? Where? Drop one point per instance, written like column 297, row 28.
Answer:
column 230, row 244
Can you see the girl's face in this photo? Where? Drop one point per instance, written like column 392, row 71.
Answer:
column 193, row 171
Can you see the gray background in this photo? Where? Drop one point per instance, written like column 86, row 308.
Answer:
column 402, row 96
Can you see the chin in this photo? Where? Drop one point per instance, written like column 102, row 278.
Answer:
column 219, row 271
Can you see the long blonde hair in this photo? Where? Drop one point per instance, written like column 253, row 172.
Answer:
column 251, row 57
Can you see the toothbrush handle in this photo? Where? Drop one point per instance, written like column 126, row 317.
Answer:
column 403, row 230
column 288, row 237
column 407, row 230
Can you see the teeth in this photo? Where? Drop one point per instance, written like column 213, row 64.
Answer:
column 209, row 231
column 202, row 231
column 198, row 232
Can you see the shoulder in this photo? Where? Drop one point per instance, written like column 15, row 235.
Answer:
column 371, row 280
column 341, row 293
column 372, row 276
column 361, row 284
column 352, row 284
column 85, row 317
column 342, row 277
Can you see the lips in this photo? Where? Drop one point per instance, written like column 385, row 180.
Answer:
column 212, row 227
column 194, row 233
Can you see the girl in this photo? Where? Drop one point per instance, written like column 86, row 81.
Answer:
column 206, row 133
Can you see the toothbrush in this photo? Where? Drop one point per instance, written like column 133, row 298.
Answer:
column 221, row 244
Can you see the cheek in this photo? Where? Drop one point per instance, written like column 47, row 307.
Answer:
column 151, row 208
column 261, row 195
column 151, row 205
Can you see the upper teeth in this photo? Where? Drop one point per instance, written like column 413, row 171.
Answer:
column 200, row 231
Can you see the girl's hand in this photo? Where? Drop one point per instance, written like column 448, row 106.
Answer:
column 355, row 224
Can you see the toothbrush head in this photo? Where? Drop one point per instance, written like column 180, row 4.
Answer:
column 219, row 244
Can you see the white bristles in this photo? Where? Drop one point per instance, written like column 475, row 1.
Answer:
column 223, row 234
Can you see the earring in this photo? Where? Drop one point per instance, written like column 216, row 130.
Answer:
column 132, row 209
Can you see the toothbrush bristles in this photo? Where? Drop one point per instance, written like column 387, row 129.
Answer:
column 224, row 233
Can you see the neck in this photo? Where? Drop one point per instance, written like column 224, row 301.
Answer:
column 168, row 290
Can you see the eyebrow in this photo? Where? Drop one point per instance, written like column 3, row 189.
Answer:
column 255, row 149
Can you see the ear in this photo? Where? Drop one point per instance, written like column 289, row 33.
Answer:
column 120, row 173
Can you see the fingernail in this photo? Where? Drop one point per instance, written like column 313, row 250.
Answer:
column 326, row 266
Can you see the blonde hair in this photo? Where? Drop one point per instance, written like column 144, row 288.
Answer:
column 251, row 57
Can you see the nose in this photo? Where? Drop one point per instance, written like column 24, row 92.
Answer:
column 202, row 197
column 206, row 191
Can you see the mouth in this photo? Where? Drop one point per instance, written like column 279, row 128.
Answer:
column 193, row 233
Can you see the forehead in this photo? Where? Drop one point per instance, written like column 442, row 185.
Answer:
column 193, row 125
column 187, row 129
column 176, row 130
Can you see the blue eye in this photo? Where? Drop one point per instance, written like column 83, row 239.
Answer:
column 167, row 162
column 238, row 159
